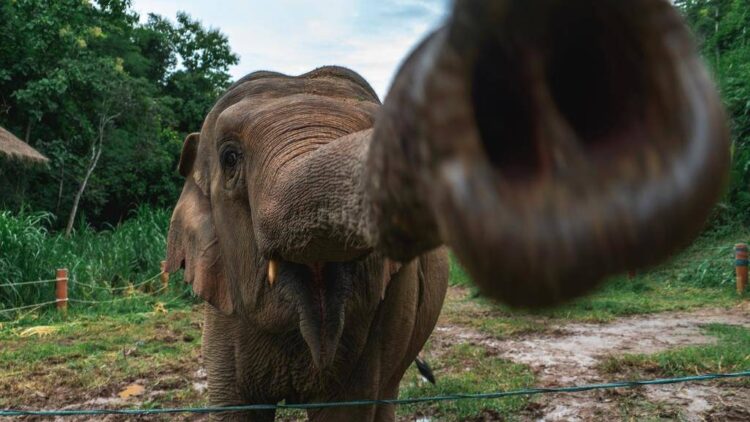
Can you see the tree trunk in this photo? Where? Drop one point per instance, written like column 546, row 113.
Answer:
column 60, row 188
column 96, row 152
column 28, row 131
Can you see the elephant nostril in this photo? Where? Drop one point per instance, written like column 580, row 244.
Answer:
column 562, row 91
column 503, row 114
column 599, row 94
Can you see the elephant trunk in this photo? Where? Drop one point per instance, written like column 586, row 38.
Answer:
column 549, row 143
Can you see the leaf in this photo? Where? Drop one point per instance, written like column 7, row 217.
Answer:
column 39, row 331
column 131, row 391
column 160, row 308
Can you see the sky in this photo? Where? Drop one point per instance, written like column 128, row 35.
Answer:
column 371, row 37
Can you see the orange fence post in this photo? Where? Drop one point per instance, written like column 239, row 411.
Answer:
column 740, row 265
column 61, row 289
column 164, row 275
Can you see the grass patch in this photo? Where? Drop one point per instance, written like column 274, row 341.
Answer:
column 730, row 353
column 632, row 406
column 701, row 276
column 468, row 369
column 463, row 308
column 458, row 275
column 645, row 294
column 98, row 354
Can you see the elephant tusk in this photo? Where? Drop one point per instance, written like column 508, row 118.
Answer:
column 272, row 270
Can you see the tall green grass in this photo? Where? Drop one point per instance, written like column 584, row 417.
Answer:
column 707, row 263
column 112, row 258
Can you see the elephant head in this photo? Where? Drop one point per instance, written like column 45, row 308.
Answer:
column 549, row 143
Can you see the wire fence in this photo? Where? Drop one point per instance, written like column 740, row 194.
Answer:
column 24, row 283
column 303, row 406
column 118, row 288
column 394, row 402
column 36, row 305
column 64, row 300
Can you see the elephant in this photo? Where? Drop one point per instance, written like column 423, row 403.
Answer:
column 547, row 143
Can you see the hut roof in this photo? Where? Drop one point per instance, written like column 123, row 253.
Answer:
column 15, row 148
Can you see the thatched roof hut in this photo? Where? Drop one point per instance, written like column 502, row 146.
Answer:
column 15, row 148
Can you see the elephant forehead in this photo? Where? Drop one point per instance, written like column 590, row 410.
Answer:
column 347, row 85
column 260, row 122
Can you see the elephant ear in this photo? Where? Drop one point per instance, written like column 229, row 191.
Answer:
column 192, row 242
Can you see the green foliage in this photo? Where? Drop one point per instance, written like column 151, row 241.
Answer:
column 109, row 258
column 66, row 66
column 721, row 27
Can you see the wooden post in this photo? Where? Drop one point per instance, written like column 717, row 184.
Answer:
column 61, row 290
column 164, row 275
column 740, row 266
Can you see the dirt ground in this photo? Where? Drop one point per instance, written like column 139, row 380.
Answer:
column 569, row 354
column 558, row 352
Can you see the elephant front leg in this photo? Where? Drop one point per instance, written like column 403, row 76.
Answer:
column 251, row 416
column 366, row 383
column 343, row 414
column 366, row 386
column 219, row 358
column 374, row 413
column 224, row 392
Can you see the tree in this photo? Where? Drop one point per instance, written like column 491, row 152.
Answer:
column 721, row 27
column 206, row 58
column 115, row 100
column 67, row 66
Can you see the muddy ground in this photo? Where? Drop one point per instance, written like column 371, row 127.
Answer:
column 566, row 354
column 559, row 352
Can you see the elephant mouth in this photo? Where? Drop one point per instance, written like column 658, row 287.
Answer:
column 320, row 291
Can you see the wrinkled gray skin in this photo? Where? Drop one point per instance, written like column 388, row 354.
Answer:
column 312, row 217
column 328, row 330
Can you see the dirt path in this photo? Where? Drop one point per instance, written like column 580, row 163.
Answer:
column 569, row 354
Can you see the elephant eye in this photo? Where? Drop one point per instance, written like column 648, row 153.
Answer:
column 229, row 158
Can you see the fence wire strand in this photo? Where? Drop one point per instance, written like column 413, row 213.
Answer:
column 23, row 283
column 36, row 305
column 93, row 286
column 395, row 402
column 72, row 300
column 303, row 406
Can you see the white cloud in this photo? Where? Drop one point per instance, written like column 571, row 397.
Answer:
column 295, row 36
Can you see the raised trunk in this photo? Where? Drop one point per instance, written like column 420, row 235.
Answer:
column 549, row 143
